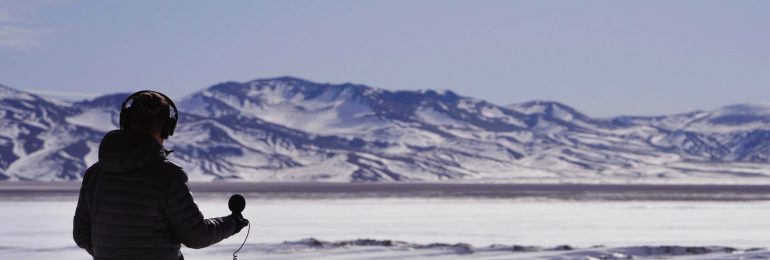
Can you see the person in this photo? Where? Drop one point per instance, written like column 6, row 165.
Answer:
column 134, row 203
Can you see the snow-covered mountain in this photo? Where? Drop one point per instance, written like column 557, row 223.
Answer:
column 289, row 129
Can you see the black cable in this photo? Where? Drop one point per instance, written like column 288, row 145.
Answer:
column 235, row 257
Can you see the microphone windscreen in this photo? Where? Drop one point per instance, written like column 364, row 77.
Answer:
column 237, row 203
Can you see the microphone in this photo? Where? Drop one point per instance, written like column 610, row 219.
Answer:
column 237, row 203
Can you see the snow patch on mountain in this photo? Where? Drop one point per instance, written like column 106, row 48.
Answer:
column 10, row 93
column 98, row 120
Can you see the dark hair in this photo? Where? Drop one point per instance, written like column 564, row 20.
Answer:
column 149, row 111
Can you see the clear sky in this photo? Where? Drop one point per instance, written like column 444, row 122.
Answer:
column 602, row 57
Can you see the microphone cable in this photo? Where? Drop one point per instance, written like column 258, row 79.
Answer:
column 235, row 256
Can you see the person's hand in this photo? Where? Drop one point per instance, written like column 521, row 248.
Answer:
column 240, row 222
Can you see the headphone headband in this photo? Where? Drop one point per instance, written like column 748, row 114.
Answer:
column 168, row 127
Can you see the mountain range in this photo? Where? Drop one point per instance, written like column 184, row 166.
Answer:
column 290, row 129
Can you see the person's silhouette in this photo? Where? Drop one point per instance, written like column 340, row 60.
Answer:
column 134, row 203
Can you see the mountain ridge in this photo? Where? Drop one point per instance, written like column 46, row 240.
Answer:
column 291, row 129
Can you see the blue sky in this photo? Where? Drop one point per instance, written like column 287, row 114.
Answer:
column 602, row 57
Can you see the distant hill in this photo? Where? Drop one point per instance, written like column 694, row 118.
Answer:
column 290, row 129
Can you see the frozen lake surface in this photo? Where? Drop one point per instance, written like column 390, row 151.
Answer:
column 431, row 228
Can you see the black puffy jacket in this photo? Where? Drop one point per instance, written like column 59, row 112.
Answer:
column 135, row 204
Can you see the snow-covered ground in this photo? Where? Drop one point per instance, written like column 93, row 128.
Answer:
column 437, row 228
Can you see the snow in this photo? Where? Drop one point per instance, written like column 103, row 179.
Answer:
column 703, row 121
column 433, row 117
column 626, row 153
column 97, row 119
column 9, row 93
column 327, row 114
column 492, row 112
column 531, row 107
column 562, row 114
column 93, row 153
column 469, row 228
column 439, row 135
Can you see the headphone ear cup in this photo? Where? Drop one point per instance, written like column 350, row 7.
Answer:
column 123, row 118
column 171, row 126
column 168, row 128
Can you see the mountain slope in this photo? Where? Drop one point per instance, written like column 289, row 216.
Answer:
column 289, row 129
column 37, row 142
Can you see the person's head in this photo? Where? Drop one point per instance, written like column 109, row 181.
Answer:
column 149, row 112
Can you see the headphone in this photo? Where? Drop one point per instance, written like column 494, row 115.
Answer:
column 168, row 126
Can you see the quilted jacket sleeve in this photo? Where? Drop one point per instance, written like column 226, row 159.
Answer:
column 187, row 221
